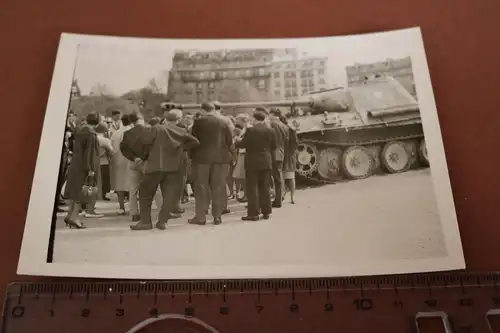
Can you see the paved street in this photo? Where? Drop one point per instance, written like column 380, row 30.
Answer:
column 383, row 217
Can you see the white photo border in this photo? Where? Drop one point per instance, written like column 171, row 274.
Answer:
column 35, row 243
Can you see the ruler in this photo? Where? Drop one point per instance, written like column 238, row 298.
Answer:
column 465, row 302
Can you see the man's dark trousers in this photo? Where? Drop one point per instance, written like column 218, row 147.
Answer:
column 278, row 182
column 169, row 183
column 62, row 174
column 180, row 189
column 257, row 190
column 210, row 183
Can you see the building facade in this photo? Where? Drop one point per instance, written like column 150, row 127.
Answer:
column 243, row 75
column 400, row 69
column 291, row 79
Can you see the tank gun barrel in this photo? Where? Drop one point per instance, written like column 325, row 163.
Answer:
column 337, row 100
column 238, row 105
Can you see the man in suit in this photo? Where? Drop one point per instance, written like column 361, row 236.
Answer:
column 161, row 168
column 218, row 111
column 259, row 142
column 211, row 161
column 282, row 134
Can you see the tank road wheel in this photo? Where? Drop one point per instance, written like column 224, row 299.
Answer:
column 395, row 157
column 357, row 162
column 422, row 153
column 307, row 159
column 329, row 165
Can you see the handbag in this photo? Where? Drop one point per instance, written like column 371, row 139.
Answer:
column 89, row 190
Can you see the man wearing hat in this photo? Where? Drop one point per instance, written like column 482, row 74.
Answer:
column 172, row 119
column 211, row 161
column 161, row 168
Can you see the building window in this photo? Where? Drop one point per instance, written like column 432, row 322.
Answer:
column 277, row 83
column 198, row 86
column 202, row 75
column 211, row 95
column 261, row 84
column 321, row 71
column 293, row 93
column 287, row 93
column 213, row 75
column 261, row 71
column 277, row 74
column 305, row 92
column 249, row 72
column 236, row 73
column 199, row 97
column 287, row 83
column 210, row 85
column 322, row 81
column 277, row 93
column 322, row 63
column 294, row 83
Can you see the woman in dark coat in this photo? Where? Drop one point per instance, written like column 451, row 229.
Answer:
column 289, row 160
column 84, row 163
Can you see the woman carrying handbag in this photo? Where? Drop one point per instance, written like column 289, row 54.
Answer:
column 83, row 172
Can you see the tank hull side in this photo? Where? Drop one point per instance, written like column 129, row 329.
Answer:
column 372, row 140
column 363, row 134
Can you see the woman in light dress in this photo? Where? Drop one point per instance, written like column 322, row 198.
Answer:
column 242, row 121
column 120, row 166
column 290, row 160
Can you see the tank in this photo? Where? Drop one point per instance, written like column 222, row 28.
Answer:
column 354, row 132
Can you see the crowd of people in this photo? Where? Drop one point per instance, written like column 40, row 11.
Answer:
column 208, row 155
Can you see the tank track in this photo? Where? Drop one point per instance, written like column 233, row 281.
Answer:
column 328, row 144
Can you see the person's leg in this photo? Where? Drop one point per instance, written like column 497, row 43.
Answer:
column 134, row 183
column 264, row 192
column 147, row 190
column 218, row 179
column 292, row 189
column 278, row 183
column 251, row 193
column 121, row 201
column 201, row 184
column 169, row 193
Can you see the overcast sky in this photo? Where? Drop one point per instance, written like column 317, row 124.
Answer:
column 126, row 64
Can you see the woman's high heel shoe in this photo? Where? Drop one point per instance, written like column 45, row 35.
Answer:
column 77, row 225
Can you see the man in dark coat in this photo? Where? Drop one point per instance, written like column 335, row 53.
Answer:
column 210, row 164
column 282, row 134
column 161, row 168
column 133, row 148
column 259, row 142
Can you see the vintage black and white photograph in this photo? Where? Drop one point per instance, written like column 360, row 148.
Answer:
column 241, row 159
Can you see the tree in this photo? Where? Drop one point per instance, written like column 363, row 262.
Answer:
column 100, row 89
column 241, row 91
